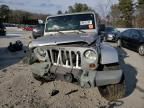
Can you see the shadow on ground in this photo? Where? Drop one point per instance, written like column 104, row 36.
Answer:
column 9, row 36
column 140, row 89
column 8, row 58
column 130, row 72
column 130, row 78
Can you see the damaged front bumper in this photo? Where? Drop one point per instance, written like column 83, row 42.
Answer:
column 85, row 78
column 100, row 78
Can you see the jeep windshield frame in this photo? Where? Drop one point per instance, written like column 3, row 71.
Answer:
column 71, row 22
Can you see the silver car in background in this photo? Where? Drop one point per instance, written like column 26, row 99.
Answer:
column 71, row 50
column 111, row 34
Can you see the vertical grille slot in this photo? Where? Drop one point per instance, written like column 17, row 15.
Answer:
column 65, row 58
column 73, row 55
column 55, row 55
column 79, row 61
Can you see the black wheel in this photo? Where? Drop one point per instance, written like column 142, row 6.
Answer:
column 113, row 92
column 141, row 50
column 34, row 37
column 3, row 34
column 119, row 43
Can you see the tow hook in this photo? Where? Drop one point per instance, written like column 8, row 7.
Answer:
column 69, row 77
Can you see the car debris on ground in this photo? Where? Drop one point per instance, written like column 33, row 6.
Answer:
column 54, row 92
column 17, row 46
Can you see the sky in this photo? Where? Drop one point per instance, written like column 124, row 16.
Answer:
column 52, row 6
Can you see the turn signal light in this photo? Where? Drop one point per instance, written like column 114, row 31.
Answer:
column 93, row 66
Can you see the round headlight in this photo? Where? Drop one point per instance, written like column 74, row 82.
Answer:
column 110, row 35
column 91, row 55
column 41, row 53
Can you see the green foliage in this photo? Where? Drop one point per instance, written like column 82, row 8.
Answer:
column 128, row 14
column 141, row 3
column 126, row 8
column 79, row 7
column 141, row 7
column 4, row 12
column 59, row 12
column 140, row 15
column 115, row 11
column 115, row 15
column 18, row 16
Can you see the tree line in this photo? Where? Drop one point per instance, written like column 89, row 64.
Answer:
column 127, row 13
column 8, row 15
column 77, row 7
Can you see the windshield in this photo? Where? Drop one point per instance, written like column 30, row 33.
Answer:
column 40, row 26
column 109, row 29
column 70, row 22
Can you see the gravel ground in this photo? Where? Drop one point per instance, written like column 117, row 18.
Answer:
column 18, row 89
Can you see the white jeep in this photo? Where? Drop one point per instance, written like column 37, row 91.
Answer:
column 71, row 50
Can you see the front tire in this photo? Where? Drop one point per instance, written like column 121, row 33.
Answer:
column 141, row 50
column 105, row 39
column 114, row 91
column 34, row 37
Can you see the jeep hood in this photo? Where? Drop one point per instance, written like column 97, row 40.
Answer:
column 63, row 39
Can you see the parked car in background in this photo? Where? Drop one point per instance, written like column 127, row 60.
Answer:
column 28, row 28
column 132, row 39
column 9, row 25
column 2, row 29
column 111, row 34
column 38, row 31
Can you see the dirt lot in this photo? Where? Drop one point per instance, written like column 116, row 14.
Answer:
column 18, row 89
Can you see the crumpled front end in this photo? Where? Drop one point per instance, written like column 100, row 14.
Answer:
column 66, row 57
column 79, row 65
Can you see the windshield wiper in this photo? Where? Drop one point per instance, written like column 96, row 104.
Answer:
column 59, row 32
column 81, row 31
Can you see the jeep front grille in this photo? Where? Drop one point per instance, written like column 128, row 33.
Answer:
column 64, row 57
